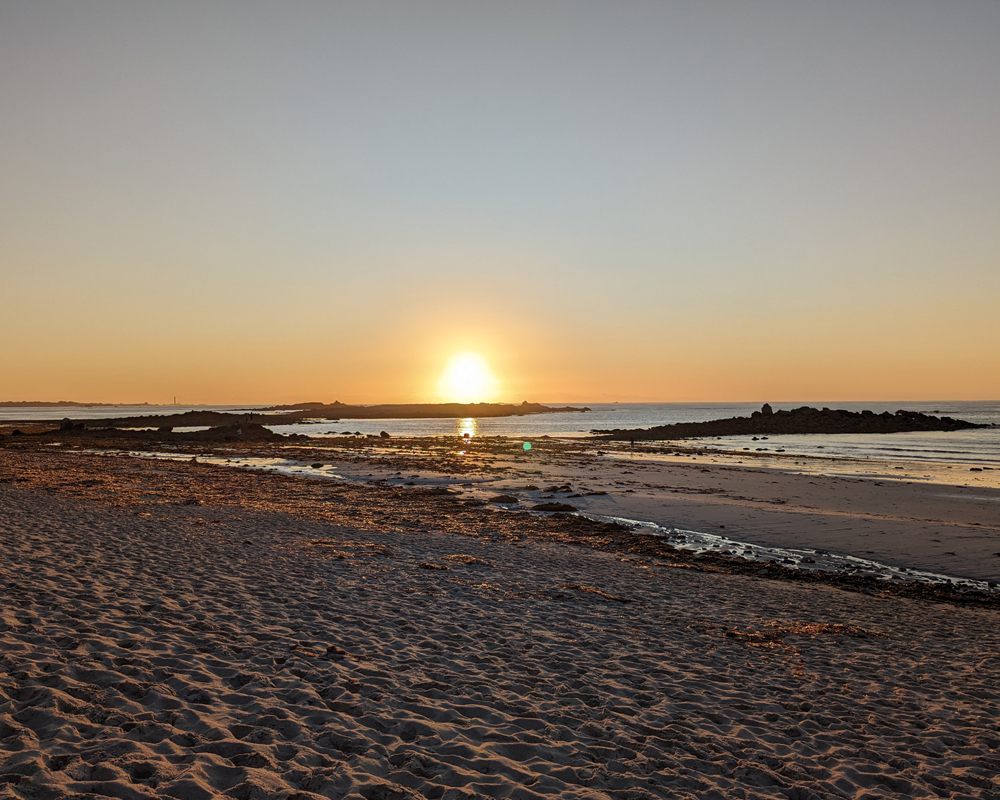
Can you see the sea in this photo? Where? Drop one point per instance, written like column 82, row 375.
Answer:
column 977, row 446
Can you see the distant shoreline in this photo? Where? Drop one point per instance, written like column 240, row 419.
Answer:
column 332, row 412
column 68, row 404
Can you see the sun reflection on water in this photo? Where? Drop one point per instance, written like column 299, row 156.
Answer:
column 467, row 428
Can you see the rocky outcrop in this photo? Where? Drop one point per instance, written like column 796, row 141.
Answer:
column 799, row 420
column 239, row 432
column 555, row 508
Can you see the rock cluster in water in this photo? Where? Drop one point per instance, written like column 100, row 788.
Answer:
column 799, row 420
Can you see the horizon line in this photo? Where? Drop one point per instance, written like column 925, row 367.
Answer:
column 57, row 403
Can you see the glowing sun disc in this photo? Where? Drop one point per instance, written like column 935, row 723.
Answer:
column 467, row 379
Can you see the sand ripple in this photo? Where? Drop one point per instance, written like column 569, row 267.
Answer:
column 202, row 651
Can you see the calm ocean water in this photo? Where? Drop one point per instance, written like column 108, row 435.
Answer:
column 976, row 446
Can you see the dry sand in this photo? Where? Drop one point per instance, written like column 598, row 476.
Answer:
column 166, row 630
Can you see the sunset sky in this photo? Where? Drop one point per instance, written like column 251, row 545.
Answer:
column 274, row 202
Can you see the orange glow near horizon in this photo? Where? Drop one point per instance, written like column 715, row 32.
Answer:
column 700, row 365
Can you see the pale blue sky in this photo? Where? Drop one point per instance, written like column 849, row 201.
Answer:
column 609, row 200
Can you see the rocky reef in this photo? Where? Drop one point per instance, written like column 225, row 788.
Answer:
column 111, row 436
column 799, row 420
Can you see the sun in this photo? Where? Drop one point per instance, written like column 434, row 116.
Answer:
column 467, row 379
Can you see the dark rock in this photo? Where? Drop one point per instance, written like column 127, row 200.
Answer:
column 384, row 435
column 16, row 432
column 251, row 432
column 165, row 429
column 66, row 424
column 766, row 410
column 503, row 498
column 799, row 420
column 558, row 508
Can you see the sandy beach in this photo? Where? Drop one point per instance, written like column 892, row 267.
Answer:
column 186, row 630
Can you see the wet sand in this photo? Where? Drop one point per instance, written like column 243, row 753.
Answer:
column 182, row 630
column 893, row 515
